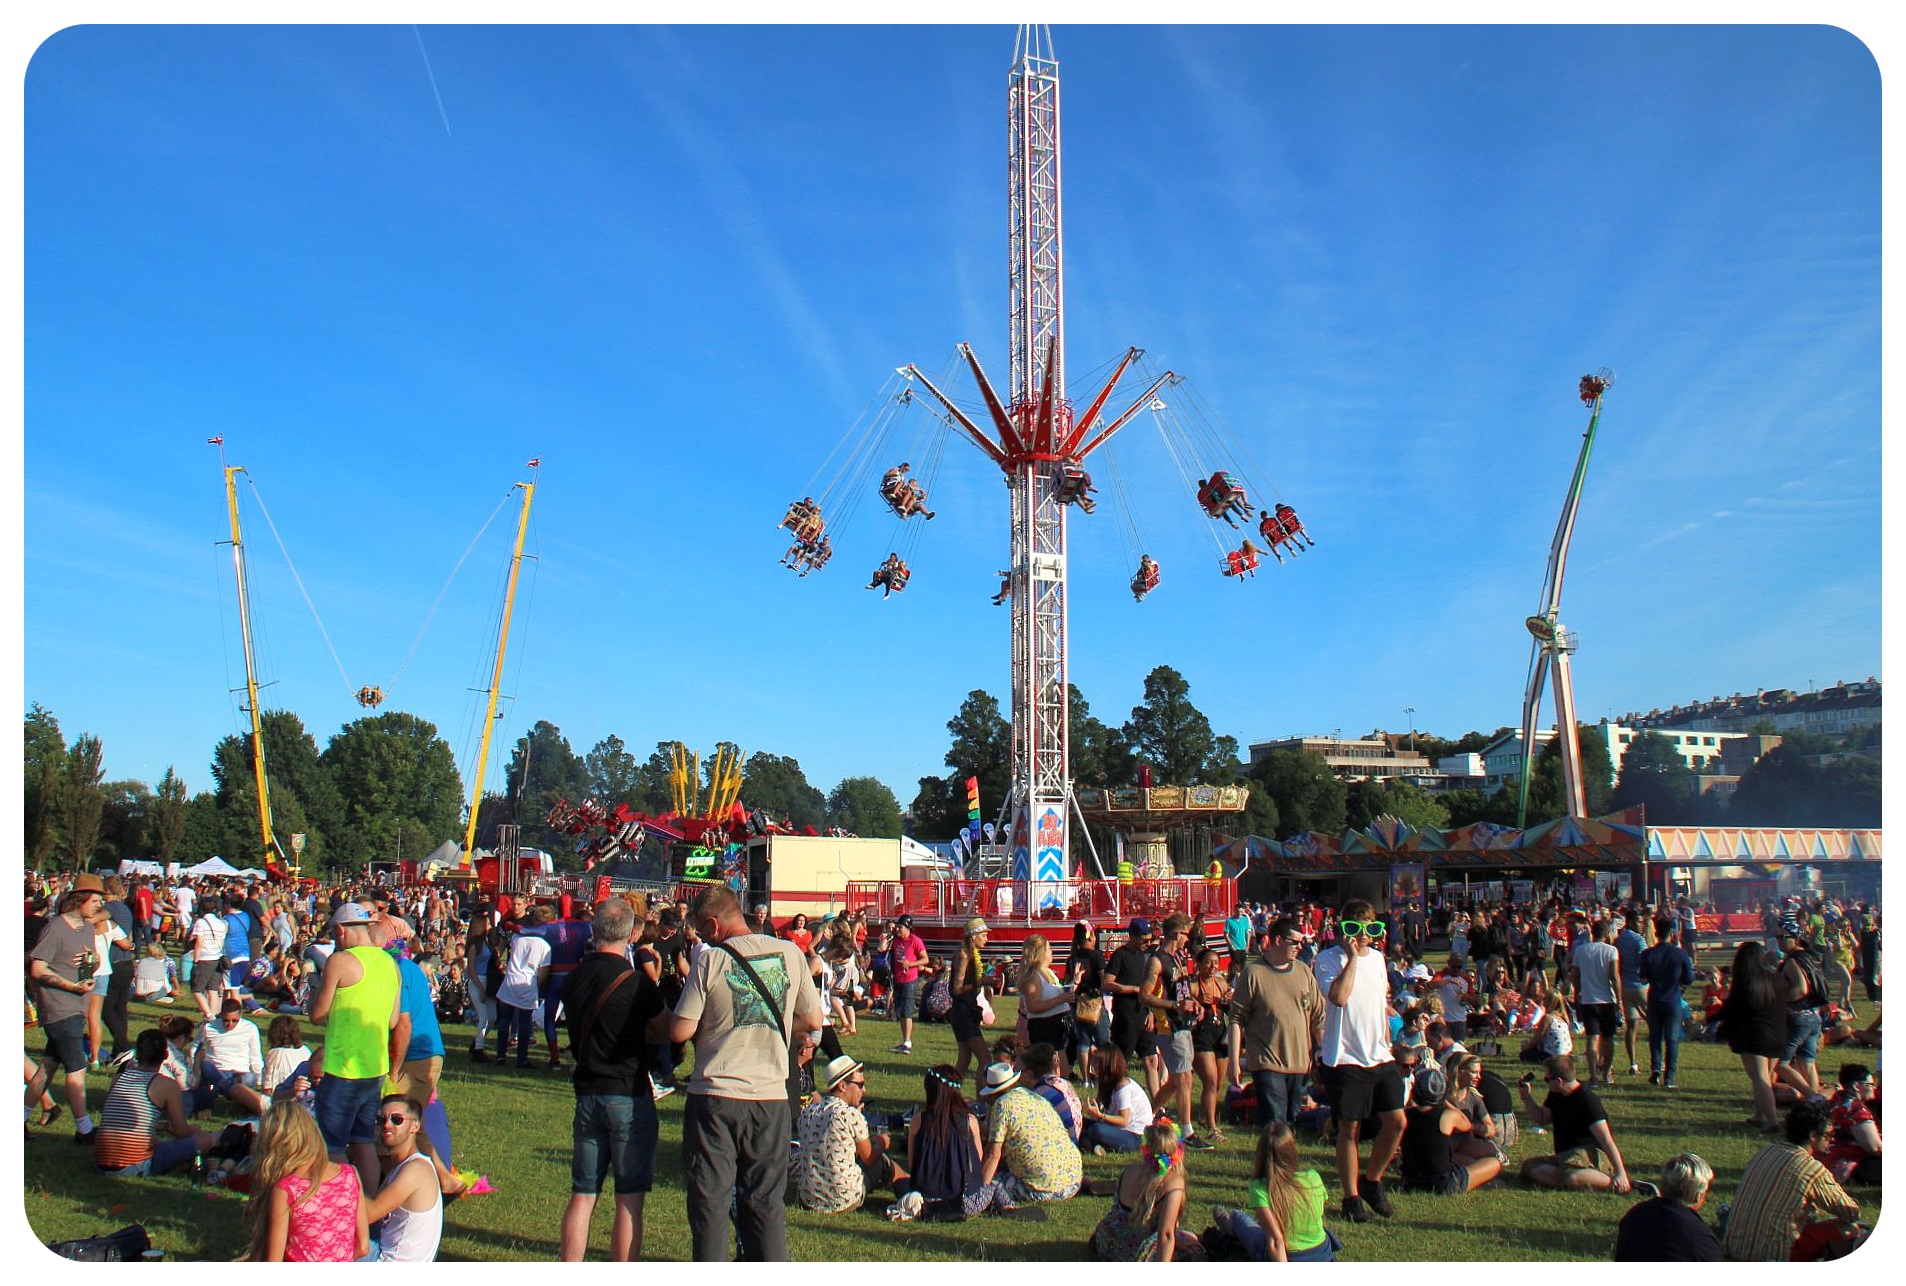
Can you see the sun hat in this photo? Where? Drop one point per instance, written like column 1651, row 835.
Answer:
column 1000, row 1077
column 975, row 927
column 839, row 1070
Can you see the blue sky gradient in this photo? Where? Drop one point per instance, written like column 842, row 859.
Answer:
column 676, row 263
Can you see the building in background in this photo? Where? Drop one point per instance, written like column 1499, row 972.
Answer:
column 1357, row 760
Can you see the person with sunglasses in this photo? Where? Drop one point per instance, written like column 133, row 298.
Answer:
column 1359, row 1071
column 1586, row 1157
column 840, row 1158
column 410, row 1202
column 1277, row 1022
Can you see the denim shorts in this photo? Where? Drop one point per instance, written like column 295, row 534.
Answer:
column 66, row 1042
column 906, row 999
column 1803, row 1036
column 613, row 1134
column 347, row 1111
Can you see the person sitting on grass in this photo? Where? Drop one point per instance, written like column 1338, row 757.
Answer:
column 1143, row 1224
column 839, row 1159
column 287, row 1051
column 229, row 1060
column 1039, row 1064
column 1855, row 1154
column 1586, row 1157
column 155, row 978
column 1430, row 1162
column 943, row 1152
column 1116, row 1117
column 1783, row 1188
column 1669, row 1228
column 304, row 1207
column 126, row 1141
column 1552, row 1034
column 1284, row 1220
column 1028, row 1152
column 409, row 1202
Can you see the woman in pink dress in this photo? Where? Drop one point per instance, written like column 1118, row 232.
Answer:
column 304, row 1208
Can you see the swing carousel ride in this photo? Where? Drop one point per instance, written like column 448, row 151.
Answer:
column 1040, row 440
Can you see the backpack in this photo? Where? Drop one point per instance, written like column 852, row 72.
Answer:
column 129, row 1243
column 939, row 999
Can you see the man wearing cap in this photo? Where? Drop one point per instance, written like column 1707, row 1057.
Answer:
column 1429, row 1161
column 1277, row 1020
column 357, row 1001
column 1803, row 976
column 61, row 964
column 1028, row 1152
column 839, row 1159
column 909, row 955
column 1125, row 973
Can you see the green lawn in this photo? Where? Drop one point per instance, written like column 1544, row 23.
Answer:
column 514, row 1126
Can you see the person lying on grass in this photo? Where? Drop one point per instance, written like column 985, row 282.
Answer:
column 1586, row 1157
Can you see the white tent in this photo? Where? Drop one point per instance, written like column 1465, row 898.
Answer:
column 914, row 853
column 250, row 873
column 448, row 853
column 212, row 866
column 134, row 866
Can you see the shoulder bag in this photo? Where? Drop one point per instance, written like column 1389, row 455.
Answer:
column 794, row 1065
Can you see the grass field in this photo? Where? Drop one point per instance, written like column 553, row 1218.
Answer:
column 514, row 1126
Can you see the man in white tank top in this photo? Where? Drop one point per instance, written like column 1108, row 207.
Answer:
column 410, row 1203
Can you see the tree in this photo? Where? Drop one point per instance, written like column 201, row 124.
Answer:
column 45, row 768
column 303, row 797
column 1654, row 775
column 1849, row 793
column 1787, row 788
column 1173, row 736
column 125, row 820
column 1545, row 784
column 201, row 831
column 612, row 772
column 1307, row 794
column 1366, row 801
column 82, row 801
column 168, row 816
column 776, row 785
column 982, row 748
column 543, row 770
column 399, row 786
column 1099, row 754
column 865, row 807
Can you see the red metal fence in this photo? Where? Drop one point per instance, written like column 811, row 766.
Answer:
column 1007, row 902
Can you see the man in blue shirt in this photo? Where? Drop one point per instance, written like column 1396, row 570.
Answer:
column 238, row 931
column 1665, row 970
column 1634, row 1000
column 1237, row 936
column 568, row 941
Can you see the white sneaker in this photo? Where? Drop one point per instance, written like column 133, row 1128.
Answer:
column 661, row 1090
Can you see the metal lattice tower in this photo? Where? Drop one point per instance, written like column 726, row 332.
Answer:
column 1036, row 440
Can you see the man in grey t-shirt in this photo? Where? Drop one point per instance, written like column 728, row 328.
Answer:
column 735, row 1123
column 61, row 964
column 1595, row 967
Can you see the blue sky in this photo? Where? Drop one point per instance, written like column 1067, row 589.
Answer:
column 676, row 263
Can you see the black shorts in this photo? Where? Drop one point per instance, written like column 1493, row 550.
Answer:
column 1128, row 1033
column 1357, row 1092
column 964, row 1016
column 1209, row 1038
column 1599, row 1020
column 66, row 1042
column 1048, row 1031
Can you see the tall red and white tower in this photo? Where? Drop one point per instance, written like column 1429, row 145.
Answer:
column 1039, row 443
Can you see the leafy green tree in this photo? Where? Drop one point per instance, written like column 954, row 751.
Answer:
column 865, row 807
column 1469, row 805
column 303, row 797
column 1308, row 796
column 45, row 771
column 1099, row 754
column 82, row 800
column 544, row 769
column 1366, row 801
column 1850, row 793
column 612, row 772
column 168, row 816
column 982, row 747
column 201, row 830
column 1786, row 787
column 776, row 785
column 1171, row 734
column 125, row 821
column 1598, row 775
column 938, row 812
column 1654, row 775
column 399, row 786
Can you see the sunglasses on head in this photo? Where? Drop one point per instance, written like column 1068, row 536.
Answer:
column 1361, row 928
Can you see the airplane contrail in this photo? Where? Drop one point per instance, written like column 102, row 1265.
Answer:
column 433, row 80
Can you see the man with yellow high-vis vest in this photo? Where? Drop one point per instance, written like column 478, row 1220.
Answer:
column 357, row 1002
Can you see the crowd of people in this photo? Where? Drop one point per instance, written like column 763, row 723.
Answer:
column 1339, row 1021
